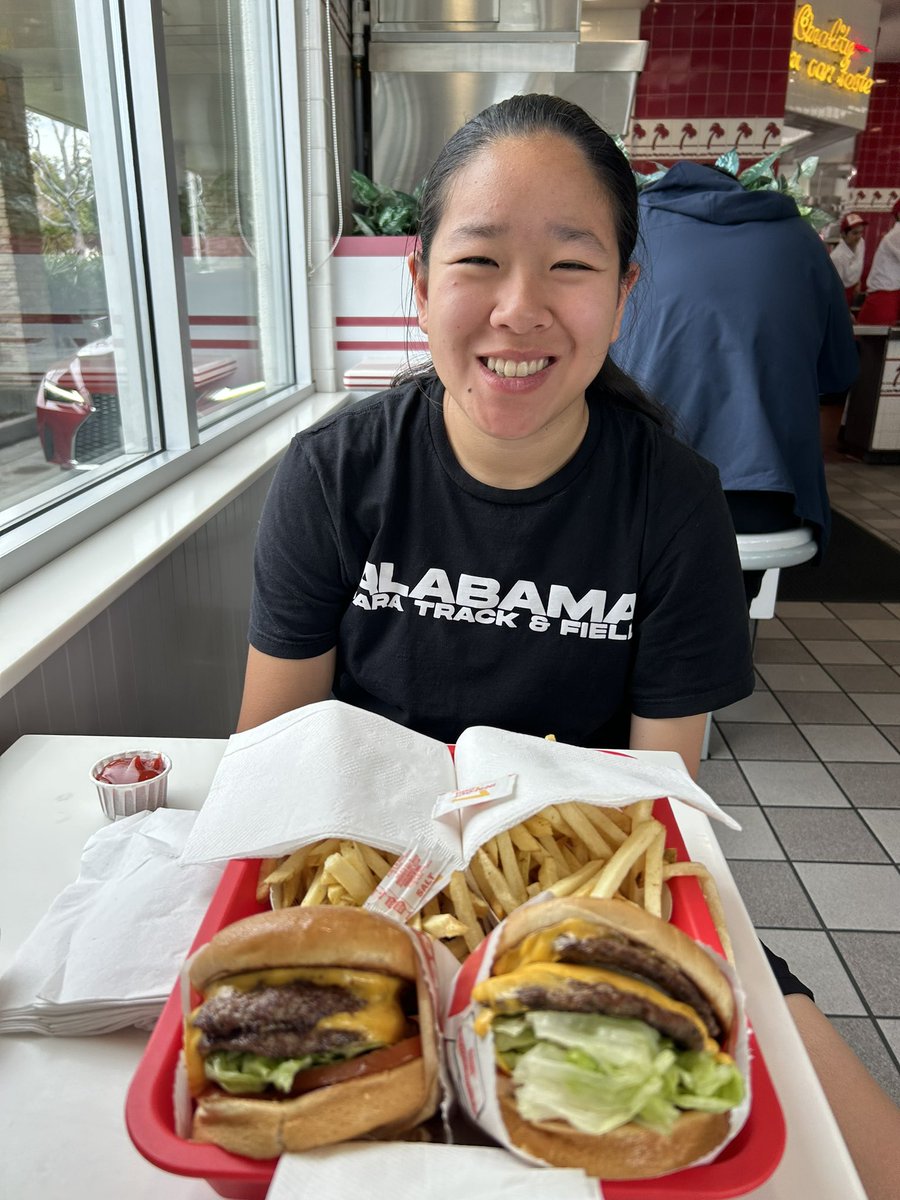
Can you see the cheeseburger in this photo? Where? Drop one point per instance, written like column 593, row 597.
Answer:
column 314, row 1026
column 608, row 1027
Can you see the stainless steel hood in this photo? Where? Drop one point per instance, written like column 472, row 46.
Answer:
column 430, row 73
column 528, row 19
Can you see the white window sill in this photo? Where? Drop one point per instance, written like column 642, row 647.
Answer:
column 40, row 613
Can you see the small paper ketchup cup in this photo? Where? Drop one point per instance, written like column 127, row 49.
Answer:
column 131, row 781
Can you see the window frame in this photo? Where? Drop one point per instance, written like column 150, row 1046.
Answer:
column 129, row 37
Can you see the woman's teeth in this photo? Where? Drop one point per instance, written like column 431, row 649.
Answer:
column 509, row 369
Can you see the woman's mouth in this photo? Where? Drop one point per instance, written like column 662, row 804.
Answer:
column 507, row 368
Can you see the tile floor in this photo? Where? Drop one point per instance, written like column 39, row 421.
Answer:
column 869, row 494
column 810, row 766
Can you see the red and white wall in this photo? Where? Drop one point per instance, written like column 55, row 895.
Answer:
column 875, row 187
column 715, row 78
column 375, row 326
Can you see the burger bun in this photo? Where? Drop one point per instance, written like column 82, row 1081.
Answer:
column 315, row 936
column 379, row 1105
column 629, row 1152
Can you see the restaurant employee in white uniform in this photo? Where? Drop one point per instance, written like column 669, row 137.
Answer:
column 882, row 303
column 849, row 254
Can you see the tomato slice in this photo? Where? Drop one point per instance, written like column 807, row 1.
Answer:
column 364, row 1064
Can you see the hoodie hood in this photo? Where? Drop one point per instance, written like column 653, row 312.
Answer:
column 697, row 191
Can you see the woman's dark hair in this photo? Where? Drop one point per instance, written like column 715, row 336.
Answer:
column 527, row 116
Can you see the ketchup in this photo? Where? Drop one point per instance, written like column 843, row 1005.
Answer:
column 132, row 770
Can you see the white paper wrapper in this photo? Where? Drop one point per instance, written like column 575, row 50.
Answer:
column 330, row 770
column 325, row 770
column 433, row 1171
column 471, row 1058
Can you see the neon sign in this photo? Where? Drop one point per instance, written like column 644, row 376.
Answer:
column 835, row 41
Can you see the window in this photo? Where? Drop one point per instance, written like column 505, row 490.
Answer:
column 72, row 397
column 223, row 96
column 145, row 292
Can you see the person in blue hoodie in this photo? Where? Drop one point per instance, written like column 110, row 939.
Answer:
column 738, row 325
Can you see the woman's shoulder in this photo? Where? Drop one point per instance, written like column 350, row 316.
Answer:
column 368, row 425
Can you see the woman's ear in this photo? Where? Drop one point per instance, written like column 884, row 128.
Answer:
column 420, row 288
column 629, row 279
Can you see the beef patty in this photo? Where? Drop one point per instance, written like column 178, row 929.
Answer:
column 579, row 997
column 278, row 1022
column 617, row 951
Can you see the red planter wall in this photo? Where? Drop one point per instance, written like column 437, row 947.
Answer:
column 716, row 76
column 878, row 148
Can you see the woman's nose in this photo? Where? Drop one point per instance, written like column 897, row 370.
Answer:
column 521, row 305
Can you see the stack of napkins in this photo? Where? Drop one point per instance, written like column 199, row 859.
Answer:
column 108, row 951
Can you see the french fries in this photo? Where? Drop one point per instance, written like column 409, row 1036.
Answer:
column 568, row 849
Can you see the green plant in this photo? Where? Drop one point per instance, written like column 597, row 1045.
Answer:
column 383, row 211
column 755, row 178
column 759, row 177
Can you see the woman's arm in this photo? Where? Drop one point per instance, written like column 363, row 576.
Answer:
column 684, row 735
column 273, row 686
column 867, row 1117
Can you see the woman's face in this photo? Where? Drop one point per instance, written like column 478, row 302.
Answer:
column 521, row 298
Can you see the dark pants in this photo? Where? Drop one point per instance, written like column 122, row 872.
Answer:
column 760, row 512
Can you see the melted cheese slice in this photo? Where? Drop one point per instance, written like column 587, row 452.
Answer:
column 381, row 1020
column 539, row 947
column 193, row 1060
column 500, row 993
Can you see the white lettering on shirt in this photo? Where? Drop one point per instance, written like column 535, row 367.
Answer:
column 524, row 594
column 386, row 581
column 562, row 601
column 622, row 610
column 477, row 591
column 481, row 600
column 434, row 583
column 369, row 581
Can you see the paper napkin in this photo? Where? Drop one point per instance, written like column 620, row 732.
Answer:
column 331, row 770
column 423, row 1169
column 108, row 950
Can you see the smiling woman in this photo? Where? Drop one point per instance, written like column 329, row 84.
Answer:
column 511, row 537
column 520, row 310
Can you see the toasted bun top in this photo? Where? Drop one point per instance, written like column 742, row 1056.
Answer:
column 307, row 937
column 638, row 925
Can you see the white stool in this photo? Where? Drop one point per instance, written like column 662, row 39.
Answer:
column 769, row 553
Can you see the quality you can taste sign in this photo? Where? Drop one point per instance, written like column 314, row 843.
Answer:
column 832, row 60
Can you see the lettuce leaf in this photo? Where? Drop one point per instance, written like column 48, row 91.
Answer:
column 243, row 1073
column 600, row 1072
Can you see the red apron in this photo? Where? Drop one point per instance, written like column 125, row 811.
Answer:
column 880, row 308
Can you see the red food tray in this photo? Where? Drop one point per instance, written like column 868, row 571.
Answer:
column 744, row 1164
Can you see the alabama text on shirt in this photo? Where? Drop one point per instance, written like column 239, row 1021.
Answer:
column 481, row 600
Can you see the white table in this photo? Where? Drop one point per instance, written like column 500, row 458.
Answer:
column 62, row 1131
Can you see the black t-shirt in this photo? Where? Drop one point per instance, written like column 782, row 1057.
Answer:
column 610, row 588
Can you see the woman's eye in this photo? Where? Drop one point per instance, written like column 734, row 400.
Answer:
column 476, row 260
column 572, row 266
